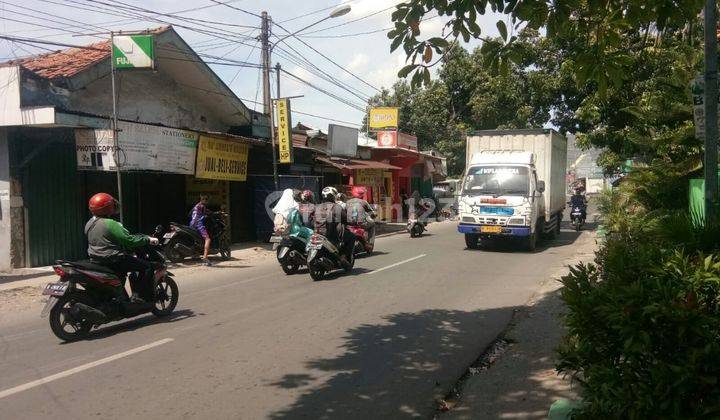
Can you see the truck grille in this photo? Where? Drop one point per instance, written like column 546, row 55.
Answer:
column 492, row 221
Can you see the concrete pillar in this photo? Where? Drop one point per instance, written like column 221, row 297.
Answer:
column 5, row 220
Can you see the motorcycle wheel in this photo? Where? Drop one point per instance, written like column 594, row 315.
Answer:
column 577, row 226
column 60, row 318
column 166, row 297
column 290, row 268
column 225, row 252
column 317, row 274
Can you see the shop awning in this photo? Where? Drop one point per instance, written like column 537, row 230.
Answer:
column 352, row 164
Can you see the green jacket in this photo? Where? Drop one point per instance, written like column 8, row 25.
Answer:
column 108, row 239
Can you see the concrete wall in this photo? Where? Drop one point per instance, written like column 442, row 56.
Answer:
column 150, row 97
column 5, row 222
column 10, row 111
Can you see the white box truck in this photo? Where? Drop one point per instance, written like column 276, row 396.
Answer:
column 514, row 186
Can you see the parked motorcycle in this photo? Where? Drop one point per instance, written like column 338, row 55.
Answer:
column 183, row 241
column 102, row 298
column 324, row 257
column 290, row 240
column 365, row 239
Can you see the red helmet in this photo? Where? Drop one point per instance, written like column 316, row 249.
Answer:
column 359, row 192
column 306, row 196
column 102, row 204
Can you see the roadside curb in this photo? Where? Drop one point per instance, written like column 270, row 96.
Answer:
column 505, row 341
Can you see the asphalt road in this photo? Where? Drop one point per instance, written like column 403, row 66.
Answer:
column 250, row 342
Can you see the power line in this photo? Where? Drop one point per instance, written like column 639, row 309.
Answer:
column 326, row 92
column 226, row 4
column 330, row 59
column 347, row 35
column 350, row 21
column 293, row 110
column 300, row 61
column 316, row 12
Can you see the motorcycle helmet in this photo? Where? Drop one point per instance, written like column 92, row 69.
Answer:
column 329, row 194
column 359, row 192
column 103, row 204
column 307, row 196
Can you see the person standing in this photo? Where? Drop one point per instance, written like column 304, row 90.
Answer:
column 197, row 222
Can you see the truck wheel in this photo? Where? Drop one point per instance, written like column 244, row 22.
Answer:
column 531, row 241
column 471, row 241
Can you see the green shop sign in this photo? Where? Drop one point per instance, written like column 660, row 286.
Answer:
column 133, row 52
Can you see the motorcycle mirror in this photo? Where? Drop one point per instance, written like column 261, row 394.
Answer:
column 158, row 229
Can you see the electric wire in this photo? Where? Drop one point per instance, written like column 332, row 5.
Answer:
column 351, row 21
column 316, row 11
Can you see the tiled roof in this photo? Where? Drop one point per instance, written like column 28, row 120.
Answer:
column 65, row 63
column 69, row 62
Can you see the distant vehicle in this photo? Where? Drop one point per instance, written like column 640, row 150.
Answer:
column 183, row 241
column 446, row 192
column 514, row 186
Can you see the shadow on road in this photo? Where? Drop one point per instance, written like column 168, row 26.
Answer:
column 141, row 322
column 395, row 368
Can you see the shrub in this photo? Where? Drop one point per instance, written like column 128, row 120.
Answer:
column 644, row 332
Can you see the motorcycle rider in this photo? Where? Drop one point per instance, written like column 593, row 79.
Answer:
column 111, row 245
column 359, row 210
column 307, row 208
column 578, row 199
column 330, row 219
column 197, row 222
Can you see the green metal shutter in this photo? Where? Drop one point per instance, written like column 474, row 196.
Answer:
column 56, row 212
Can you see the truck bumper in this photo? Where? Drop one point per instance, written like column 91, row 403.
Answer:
column 506, row 230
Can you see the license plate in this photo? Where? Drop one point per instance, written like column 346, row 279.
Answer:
column 275, row 239
column 169, row 235
column 55, row 289
column 491, row 229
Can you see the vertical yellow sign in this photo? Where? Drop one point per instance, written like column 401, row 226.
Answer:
column 284, row 130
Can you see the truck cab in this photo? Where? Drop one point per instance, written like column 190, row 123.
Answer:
column 501, row 196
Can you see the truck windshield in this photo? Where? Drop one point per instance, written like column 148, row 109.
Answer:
column 497, row 180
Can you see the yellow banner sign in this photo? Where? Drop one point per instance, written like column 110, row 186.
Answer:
column 383, row 118
column 284, row 129
column 221, row 159
column 370, row 177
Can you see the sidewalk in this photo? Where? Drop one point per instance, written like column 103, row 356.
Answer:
column 516, row 378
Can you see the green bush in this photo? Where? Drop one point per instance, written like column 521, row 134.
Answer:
column 647, row 348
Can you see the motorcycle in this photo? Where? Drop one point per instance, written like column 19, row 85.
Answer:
column 415, row 226
column 183, row 241
column 323, row 257
column 88, row 295
column 365, row 239
column 290, row 240
column 577, row 217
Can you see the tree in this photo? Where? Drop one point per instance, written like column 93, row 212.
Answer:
column 598, row 28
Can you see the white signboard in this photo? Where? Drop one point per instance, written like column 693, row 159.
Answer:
column 140, row 147
column 698, row 92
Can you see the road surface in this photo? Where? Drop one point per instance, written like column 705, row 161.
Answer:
column 250, row 342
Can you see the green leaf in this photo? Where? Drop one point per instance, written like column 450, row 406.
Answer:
column 439, row 42
column 406, row 70
column 396, row 43
column 426, row 76
column 502, row 29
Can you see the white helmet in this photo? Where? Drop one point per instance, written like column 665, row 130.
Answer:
column 329, row 193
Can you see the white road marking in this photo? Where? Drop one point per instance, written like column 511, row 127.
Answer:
column 60, row 375
column 397, row 263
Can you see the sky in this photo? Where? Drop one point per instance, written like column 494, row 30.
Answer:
column 363, row 61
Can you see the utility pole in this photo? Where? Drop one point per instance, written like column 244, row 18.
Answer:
column 277, row 73
column 267, row 99
column 711, row 111
column 115, row 129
